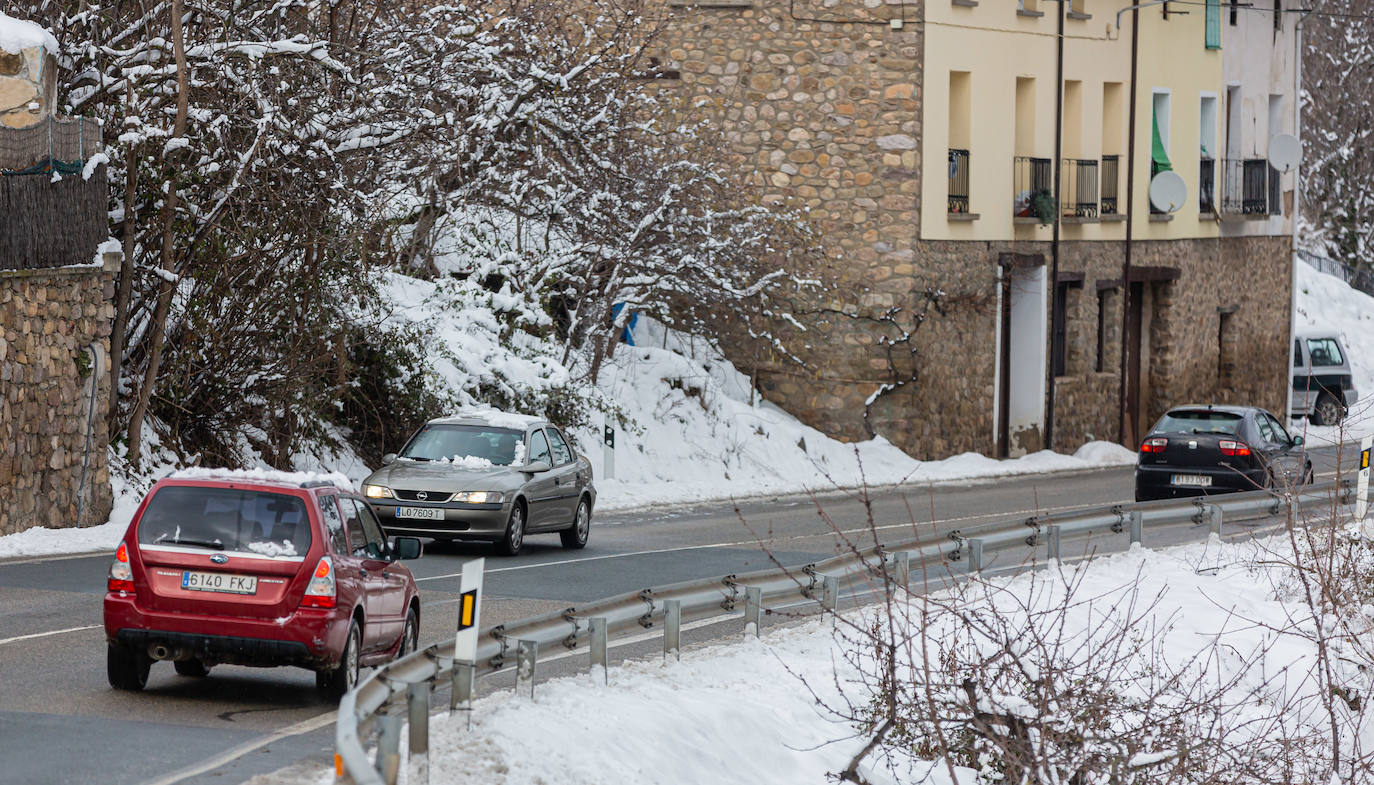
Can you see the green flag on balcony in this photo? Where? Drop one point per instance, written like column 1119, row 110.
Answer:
column 1158, row 155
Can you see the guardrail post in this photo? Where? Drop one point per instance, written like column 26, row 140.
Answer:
column 1214, row 516
column 901, row 568
column 975, row 555
column 672, row 629
column 417, row 703
column 830, row 593
column 388, row 761
column 461, row 682
column 1055, row 540
column 526, row 657
column 1137, row 526
column 598, row 647
column 753, row 609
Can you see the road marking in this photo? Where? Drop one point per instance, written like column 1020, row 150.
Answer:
column 304, row 726
column 3, row 641
column 770, row 543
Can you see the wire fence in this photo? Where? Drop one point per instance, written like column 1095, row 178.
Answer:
column 53, row 213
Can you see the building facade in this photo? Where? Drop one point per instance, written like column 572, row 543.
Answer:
column 980, row 172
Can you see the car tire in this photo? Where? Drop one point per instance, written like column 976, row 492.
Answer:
column 337, row 681
column 192, row 668
column 514, row 538
column 410, row 634
column 575, row 537
column 1328, row 411
column 126, row 667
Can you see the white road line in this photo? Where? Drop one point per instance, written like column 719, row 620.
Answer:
column 754, row 543
column 3, row 641
column 210, row 764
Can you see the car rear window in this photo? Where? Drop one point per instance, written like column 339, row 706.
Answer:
column 1324, row 351
column 1202, row 421
column 226, row 519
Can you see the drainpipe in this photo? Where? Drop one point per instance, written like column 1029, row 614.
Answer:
column 1297, row 209
column 1058, row 213
column 1130, row 220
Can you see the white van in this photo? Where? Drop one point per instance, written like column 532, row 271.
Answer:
column 1323, row 385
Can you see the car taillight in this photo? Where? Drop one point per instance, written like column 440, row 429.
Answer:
column 121, row 574
column 1154, row 445
column 1231, row 447
column 321, row 592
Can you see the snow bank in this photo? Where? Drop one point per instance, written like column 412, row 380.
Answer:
column 17, row 35
column 745, row 703
column 700, row 435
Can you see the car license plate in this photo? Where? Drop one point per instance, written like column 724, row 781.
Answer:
column 1194, row 480
column 220, row 582
column 420, row 513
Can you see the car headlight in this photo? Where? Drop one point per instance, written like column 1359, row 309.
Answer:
column 377, row 492
column 478, row 497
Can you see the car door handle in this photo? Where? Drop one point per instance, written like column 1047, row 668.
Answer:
column 364, row 572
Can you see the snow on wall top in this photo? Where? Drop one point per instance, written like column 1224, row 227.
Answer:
column 337, row 479
column 493, row 417
column 17, row 35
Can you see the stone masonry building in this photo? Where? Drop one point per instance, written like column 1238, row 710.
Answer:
column 56, row 290
column 982, row 194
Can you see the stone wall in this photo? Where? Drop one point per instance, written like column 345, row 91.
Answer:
column 28, row 81
column 48, row 320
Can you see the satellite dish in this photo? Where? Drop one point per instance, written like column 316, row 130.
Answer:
column 1284, row 152
column 1168, row 192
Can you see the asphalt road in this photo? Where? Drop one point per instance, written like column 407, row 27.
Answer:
column 61, row 723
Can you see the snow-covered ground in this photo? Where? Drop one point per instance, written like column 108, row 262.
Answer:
column 738, row 712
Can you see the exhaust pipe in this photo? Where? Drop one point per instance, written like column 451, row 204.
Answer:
column 161, row 652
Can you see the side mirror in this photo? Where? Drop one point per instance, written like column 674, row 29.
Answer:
column 406, row 548
column 1297, row 441
column 536, row 467
column 388, row 459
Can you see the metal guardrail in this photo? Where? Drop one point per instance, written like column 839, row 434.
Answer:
column 377, row 700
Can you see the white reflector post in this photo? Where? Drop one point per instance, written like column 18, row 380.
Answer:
column 1362, row 495
column 469, row 610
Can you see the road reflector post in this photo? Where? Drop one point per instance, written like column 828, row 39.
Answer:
column 1362, row 487
column 417, row 705
column 598, row 646
column 388, row 761
column 526, row 657
column 753, row 609
column 608, row 450
column 1137, row 527
column 1053, row 542
column 1214, row 516
column 672, row 629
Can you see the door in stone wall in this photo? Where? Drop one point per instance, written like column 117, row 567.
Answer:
column 1022, row 368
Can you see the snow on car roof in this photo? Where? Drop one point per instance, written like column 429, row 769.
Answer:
column 490, row 416
column 337, row 479
column 17, row 35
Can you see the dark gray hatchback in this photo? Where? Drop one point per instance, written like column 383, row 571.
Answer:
column 1200, row 450
column 485, row 475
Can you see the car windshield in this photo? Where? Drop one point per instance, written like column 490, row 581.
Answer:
column 1199, row 422
column 472, row 446
column 226, row 519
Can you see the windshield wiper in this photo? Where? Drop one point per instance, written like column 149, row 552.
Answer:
column 416, row 458
column 211, row 544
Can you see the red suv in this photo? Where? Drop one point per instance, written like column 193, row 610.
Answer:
column 258, row 568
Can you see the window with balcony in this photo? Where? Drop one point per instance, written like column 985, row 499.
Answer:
column 1207, row 155
column 1111, row 167
column 960, row 112
column 1245, row 187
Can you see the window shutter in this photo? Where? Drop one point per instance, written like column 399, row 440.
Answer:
column 1213, row 24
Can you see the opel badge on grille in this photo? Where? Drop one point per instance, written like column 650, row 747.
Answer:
column 421, row 495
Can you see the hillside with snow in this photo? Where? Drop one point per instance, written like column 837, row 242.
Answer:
column 1326, row 303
